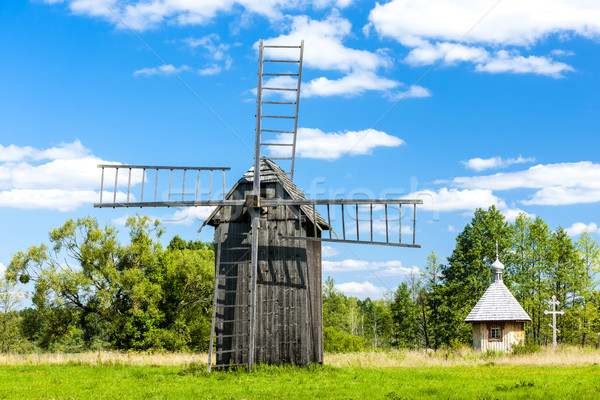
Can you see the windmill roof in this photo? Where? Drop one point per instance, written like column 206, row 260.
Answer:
column 497, row 304
column 271, row 172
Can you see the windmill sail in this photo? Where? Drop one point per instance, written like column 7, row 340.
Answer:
column 277, row 119
column 387, row 222
column 160, row 186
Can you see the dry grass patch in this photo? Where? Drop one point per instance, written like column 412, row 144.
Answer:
column 564, row 356
column 106, row 358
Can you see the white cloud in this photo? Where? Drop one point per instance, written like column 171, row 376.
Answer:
column 501, row 61
column 147, row 14
column 561, row 196
column 141, row 15
column 382, row 268
column 212, row 43
column 493, row 62
column 53, row 199
column 350, row 85
column 79, row 174
column 215, row 50
column 557, row 184
column 2, row 270
column 579, row 227
column 562, row 53
column 398, row 271
column 343, row 3
column 353, row 84
column 209, row 70
column 61, row 178
column 481, row 164
column 352, row 265
column 64, row 151
column 578, row 174
column 511, row 214
column 163, row 70
column 320, row 4
column 187, row 216
column 323, row 46
column 314, row 143
column 328, row 251
column 361, row 290
column 481, row 32
column 324, row 50
column 168, row 70
column 509, row 22
column 415, row 91
column 504, row 61
column 445, row 199
column 449, row 53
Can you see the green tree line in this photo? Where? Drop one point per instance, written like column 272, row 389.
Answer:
column 427, row 310
column 92, row 292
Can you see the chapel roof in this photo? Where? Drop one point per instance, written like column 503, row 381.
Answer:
column 497, row 304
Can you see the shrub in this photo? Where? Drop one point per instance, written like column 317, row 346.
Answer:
column 489, row 353
column 342, row 342
column 525, row 348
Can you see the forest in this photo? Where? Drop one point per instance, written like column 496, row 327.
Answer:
column 92, row 292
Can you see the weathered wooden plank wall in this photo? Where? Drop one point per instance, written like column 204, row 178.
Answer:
column 289, row 327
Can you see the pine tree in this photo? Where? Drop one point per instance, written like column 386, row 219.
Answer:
column 589, row 315
column 432, row 299
column 404, row 316
column 566, row 279
column 527, row 271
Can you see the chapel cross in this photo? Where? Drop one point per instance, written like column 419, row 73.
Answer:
column 554, row 303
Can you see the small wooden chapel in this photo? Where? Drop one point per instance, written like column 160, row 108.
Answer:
column 498, row 319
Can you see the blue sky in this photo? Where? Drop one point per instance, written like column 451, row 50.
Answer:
column 461, row 103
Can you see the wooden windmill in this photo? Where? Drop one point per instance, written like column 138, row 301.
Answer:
column 267, row 305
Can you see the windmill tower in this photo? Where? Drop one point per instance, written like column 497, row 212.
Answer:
column 267, row 306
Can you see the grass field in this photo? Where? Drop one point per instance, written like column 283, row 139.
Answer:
column 566, row 374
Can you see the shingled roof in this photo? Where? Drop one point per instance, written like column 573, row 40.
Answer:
column 271, row 172
column 497, row 304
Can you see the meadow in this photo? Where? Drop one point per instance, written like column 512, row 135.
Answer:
column 568, row 373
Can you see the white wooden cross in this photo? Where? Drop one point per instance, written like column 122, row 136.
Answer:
column 554, row 303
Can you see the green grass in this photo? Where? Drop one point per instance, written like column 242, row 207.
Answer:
column 488, row 381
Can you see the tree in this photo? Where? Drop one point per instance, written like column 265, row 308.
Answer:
column 187, row 281
column 589, row 253
column 178, row 243
column 133, row 296
column 335, row 309
column 404, row 316
column 566, row 280
column 432, row 300
column 528, row 270
column 353, row 316
column 376, row 321
column 10, row 299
